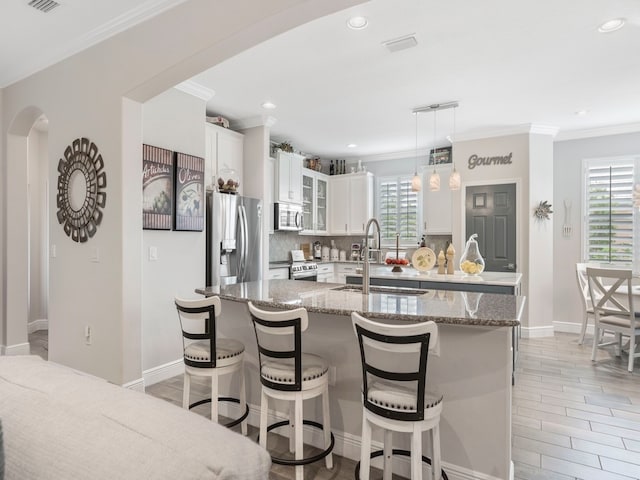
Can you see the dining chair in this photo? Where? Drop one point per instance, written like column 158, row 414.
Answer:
column 614, row 309
column 587, row 304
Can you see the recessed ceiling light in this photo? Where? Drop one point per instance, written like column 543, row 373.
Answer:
column 357, row 23
column 352, row 145
column 269, row 105
column 582, row 113
column 612, row 25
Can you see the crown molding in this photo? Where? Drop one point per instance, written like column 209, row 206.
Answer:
column 598, row 132
column 195, row 89
column 524, row 129
column 252, row 122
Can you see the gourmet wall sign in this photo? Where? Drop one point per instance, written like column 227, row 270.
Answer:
column 477, row 161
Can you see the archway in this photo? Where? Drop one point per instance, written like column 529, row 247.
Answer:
column 26, row 154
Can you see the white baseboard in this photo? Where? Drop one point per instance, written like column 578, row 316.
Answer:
column 571, row 327
column 163, row 372
column 137, row 385
column 36, row 325
column 348, row 446
column 19, row 349
column 537, row 332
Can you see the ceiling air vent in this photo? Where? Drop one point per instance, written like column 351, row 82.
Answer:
column 402, row 43
column 44, row 5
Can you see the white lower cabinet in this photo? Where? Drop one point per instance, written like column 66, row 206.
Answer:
column 278, row 273
column 342, row 270
column 325, row 272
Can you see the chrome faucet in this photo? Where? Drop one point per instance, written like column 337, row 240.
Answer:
column 365, row 264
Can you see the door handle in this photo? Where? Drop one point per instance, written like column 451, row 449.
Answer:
column 510, row 266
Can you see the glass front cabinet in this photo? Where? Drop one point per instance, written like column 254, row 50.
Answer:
column 315, row 194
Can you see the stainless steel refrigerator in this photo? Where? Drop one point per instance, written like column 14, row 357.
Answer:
column 234, row 239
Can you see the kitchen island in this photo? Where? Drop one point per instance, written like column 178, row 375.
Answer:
column 473, row 370
column 486, row 282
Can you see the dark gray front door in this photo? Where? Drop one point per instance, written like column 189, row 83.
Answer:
column 491, row 213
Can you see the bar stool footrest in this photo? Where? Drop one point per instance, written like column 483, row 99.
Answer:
column 232, row 423
column 301, row 461
column 405, row 453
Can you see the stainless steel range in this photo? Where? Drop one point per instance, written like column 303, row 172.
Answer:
column 301, row 269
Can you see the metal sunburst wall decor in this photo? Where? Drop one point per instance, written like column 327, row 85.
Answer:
column 80, row 215
column 542, row 211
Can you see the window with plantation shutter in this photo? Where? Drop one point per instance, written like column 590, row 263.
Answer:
column 398, row 210
column 609, row 231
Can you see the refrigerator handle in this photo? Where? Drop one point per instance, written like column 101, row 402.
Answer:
column 243, row 243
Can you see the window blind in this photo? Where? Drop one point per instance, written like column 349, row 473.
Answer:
column 609, row 229
column 398, row 210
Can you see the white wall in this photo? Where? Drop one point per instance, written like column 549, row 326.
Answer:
column 82, row 96
column 3, row 250
column 540, row 238
column 567, row 172
column 175, row 121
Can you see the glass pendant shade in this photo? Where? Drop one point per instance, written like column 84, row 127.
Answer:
column 416, row 183
column 434, row 181
column 454, row 179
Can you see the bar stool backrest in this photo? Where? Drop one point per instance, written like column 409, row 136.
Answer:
column 198, row 323
column 279, row 336
column 395, row 356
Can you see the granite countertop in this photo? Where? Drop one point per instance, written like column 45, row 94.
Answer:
column 410, row 273
column 441, row 306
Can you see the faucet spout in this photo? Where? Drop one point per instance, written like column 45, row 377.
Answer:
column 365, row 266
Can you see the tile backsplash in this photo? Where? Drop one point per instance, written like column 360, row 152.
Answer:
column 281, row 243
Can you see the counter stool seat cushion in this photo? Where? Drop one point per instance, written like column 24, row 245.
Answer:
column 397, row 398
column 225, row 348
column 283, row 371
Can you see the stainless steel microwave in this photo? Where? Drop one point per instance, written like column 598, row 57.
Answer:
column 287, row 216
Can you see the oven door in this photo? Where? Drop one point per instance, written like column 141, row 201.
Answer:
column 308, row 276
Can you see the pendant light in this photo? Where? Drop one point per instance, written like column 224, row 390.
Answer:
column 416, row 181
column 434, row 179
column 454, row 178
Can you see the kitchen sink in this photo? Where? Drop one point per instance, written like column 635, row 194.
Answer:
column 378, row 289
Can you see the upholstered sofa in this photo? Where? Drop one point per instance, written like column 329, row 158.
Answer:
column 61, row 424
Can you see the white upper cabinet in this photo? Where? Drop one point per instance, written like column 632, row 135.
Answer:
column 315, row 197
column 288, row 178
column 437, row 205
column 224, row 150
column 351, row 203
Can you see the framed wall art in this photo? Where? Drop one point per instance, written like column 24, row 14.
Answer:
column 439, row 156
column 157, row 188
column 189, row 193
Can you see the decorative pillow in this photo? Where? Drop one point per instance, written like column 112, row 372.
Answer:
column 1, row 454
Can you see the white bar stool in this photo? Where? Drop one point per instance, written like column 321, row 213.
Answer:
column 394, row 375
column 207, row 355
column 288, row 374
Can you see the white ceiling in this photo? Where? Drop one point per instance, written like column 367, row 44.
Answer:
column 31, row 40
column 509, row 64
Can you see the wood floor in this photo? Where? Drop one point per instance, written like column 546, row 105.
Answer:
column 572, row 419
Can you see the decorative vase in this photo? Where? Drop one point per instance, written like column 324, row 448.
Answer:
column 471, row 262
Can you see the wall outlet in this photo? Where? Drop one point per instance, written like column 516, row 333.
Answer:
column 54, row 251
column 153, row 254
column 87, row 334
column 95, row 254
